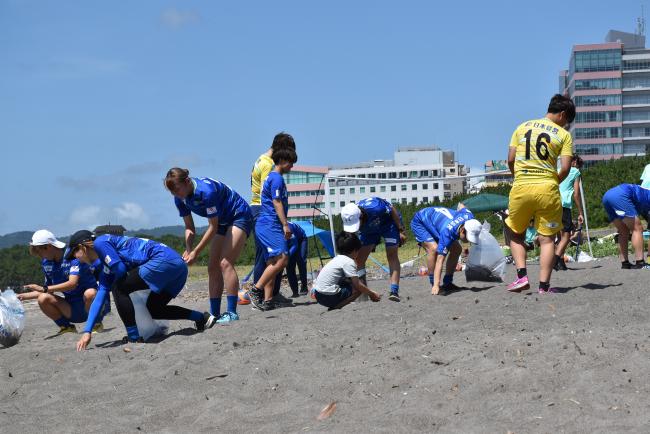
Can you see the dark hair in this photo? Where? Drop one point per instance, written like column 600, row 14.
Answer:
column 283, row 141
column 176, row 176
column 284, row 154
column 347, row 243
column 560, row 103
column 578, row 161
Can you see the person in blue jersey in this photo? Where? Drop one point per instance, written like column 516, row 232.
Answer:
column 625, row 204
column 70, row 277
column 229, row 225
column 131, row 264
column 439, row 230
column 272, row 230
column 297, row 257
column 375, row 218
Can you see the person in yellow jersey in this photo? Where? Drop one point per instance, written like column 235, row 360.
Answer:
column 534, row 150
column 263, row 166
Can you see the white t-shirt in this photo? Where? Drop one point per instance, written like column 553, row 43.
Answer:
column 645, row 177
column 336, row 273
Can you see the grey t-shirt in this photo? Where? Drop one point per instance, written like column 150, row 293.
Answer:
column 335, row 274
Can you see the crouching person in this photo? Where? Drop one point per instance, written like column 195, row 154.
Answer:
column 338, row 282
column 69, row 277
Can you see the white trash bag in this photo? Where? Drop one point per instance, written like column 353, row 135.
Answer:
column 147, row 326
column 12, row 318
column 486, row 261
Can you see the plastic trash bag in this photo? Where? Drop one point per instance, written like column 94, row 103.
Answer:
column 147, row 326
column 12, row 318
column 486, row 261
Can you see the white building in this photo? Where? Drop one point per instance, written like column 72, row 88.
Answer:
column 401, row 180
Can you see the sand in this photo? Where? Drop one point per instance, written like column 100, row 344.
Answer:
column 478, row 360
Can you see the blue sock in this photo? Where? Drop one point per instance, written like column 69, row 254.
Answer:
column 232, row 303
column 448, row 279
column 133, row 333
column 196, row 316
column 215, row 306
column 394, row 287
column 431, row 279
column 62, row 322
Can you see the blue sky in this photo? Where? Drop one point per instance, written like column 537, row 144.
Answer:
column 99, row 99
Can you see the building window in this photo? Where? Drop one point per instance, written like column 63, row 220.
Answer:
column 382, row 188
column 382, row 176
column 404, row 187
column 435, row 186
column 609, row 116
column 403, row 175
column 424, row 173
column 601, row 83
column 404, row 200
column 342, row 191
column 372, row 189
column 332, row 204
column 425, row 186
column 394, row 200
column 362, row 189
column 414, row 187
column 425, row 200
column 372, row 175
column 598, row 60
column 342, row 203
column 597, row 100
column 414, row 200
column 332, row 191
column 413, row 174
column 597, row 133
column 351, row 190
column 393, row 188
column 392, row 175
column 361, row 175
column 435, row 173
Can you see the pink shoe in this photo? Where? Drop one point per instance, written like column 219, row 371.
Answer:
column 550, row 290
column 519, row 285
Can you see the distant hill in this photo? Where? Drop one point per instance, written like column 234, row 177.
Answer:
column 15, row 238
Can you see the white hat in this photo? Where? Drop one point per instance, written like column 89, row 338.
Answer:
column 44, row 237
column 351, row 215
column 473, row 230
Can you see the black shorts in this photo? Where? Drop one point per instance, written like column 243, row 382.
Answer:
column 567, row 220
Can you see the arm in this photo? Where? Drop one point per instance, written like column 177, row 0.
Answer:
column 33, row 295
column 566, row 166
column 576, row 199
column 398, row 222
column 213, row 223
column 279, row 210
column 357, row 285
column 190, row 233
column 512, row 154
column 437, row 273
column 71, row 284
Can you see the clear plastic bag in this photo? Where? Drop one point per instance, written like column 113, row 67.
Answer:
column 12, row 318
column 147, row 326
column 486, row 261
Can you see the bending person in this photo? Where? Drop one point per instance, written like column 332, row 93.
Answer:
column 298, row 245
column 129, row 265
column 70, row 277
column 229, row 224
column 438, row 230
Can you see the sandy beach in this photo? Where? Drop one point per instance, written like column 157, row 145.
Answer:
column 477, row 360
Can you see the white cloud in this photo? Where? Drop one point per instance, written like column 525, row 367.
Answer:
column 131, row 211
column 86, row 216
column 175, row 19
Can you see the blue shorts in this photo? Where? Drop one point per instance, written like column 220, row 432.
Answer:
column 165, row 272
column 243, row 220
column 78, row 312
column 389, row 232
column 333, row 300
column 270, row 237
column 618, row 203
column 422, row 233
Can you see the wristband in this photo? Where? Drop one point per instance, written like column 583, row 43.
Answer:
column 45, row 288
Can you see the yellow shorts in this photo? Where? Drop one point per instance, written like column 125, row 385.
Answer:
column 540, row 202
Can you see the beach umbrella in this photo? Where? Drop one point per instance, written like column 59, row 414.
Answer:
column 486, row 202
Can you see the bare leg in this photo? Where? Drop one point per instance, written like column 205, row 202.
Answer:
column 350, row 299
column 54, row 306
column 517, row 247
column 215, row 278
column 267, row 281
column 393, row 264
column 452, row 258
column 623, row 237
column 637, row 238
column 234, row 242
column 89, row 296
column 546, row 257
column 562, row 245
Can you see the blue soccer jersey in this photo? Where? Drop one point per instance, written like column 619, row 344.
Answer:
column 60, row 272
column 642, row 200
column 440, row 225
column 213, row 199
column 297, row 235
column 274, row 189
column 377, row 214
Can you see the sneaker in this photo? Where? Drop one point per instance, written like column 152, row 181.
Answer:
column 282, row 300
column 637, row 266
column 267, row 305
column 207, row 322
column 394, row 296
column 560, row 265
column 67, row 329
column 303, row 291
column 519, row 285
column 227, row 317
column 257, row 297
column 625, row 265
column 549, row 291
column 127, row 340
column 449, row 287
column 98, row 328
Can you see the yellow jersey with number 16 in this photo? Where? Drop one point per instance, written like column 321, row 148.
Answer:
column 539, row 143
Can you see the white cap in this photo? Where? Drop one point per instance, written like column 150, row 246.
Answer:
column 351, row 215
column 473, row 230
column 44, row 237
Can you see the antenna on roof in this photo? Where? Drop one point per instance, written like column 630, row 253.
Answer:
column 640, row 23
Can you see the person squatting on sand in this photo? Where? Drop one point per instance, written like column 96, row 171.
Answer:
column 438, row 230
column 375, row 218
column 132, row 264
column 338, row 282
column 261, row 169
column 272, row 230
column 532, row 158
column 229, row 225
column 570, row 193
column 298, row 245
column 624, row 205
column 73, row 279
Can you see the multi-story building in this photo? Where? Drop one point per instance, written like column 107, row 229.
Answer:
column 498, row 178
column 306, row 188
column 610, row 85
column 405, row 179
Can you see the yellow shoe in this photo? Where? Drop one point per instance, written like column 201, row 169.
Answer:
column 67, row 329
column 98, row 328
